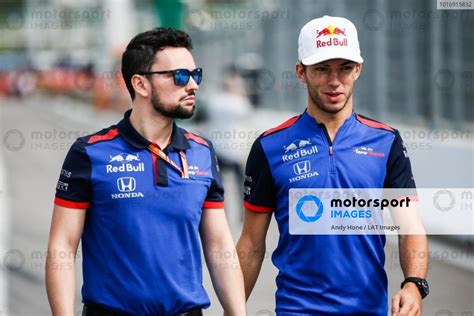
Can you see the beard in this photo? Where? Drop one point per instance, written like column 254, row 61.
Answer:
column 179, row 111
column 327, row 108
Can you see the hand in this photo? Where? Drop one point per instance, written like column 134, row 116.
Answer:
column 407, row 302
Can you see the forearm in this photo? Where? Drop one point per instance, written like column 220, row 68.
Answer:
column 414, row 255
column 251, row 258
column 226, row 275
column 60, row 280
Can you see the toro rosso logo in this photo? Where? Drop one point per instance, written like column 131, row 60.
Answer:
column 367, row 151
column 331, row 31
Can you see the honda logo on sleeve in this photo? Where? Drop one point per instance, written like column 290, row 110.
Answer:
column 302, row 167
column 126, row 184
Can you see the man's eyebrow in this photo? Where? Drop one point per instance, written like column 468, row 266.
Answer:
column 347, row 63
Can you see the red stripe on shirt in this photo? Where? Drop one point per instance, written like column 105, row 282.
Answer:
column 284, row 125
column 107, row 136
column 197, row 139
column 373, row 124
column 71, row 204
column 256, row 208
column 212, row 204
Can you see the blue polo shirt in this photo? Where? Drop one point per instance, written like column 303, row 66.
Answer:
column 140, row 244
column 326, row 274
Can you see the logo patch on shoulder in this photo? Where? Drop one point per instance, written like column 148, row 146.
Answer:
column 194, row 170
column 367, row 151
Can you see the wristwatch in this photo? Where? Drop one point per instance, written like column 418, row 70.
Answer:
column 421, row 284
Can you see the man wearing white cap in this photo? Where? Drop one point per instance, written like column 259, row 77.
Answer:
column 328, row 274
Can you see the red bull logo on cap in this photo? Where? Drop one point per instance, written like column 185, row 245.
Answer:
column 331, row 31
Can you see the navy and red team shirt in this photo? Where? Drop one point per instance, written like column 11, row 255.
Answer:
column 326, row 274
column 140, row 244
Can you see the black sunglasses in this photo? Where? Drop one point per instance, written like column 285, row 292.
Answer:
column 180, row 76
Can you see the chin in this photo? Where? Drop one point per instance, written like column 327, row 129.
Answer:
column 332, row 108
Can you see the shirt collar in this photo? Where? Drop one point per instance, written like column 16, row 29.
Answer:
column 134, row 138
column 313, row 122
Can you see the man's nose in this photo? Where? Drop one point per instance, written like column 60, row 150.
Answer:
column 192, row 85
column 333, row 79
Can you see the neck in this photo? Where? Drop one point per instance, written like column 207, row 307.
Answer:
column 332, row 121
column 151, row 125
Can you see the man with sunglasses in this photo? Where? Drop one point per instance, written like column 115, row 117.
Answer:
column 328, row 146
column 141, row 195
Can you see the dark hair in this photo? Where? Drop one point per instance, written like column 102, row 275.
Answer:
column 140, row 52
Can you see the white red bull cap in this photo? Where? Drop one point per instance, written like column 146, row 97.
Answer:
column 327, row 38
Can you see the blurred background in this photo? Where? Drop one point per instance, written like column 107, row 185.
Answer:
column 60, row 79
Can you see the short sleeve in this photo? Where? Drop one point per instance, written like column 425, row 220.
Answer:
column 215, row 195
column 74, row 185
column 259, row 187
column 399, row 173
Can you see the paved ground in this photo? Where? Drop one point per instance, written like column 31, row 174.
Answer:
column 35, row 135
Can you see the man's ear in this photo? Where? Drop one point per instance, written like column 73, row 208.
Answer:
column 358, row 71
column 300, row 72
column 141, row 85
